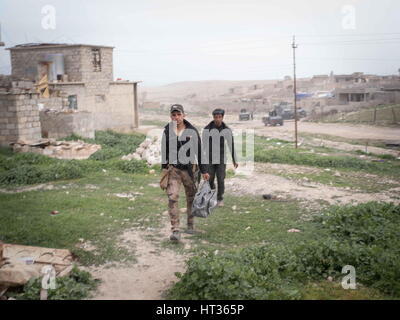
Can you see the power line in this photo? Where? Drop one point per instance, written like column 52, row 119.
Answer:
column 354, row 42
column 348, row 35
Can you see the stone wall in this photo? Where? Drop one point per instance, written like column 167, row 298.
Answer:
column 58, row 125
column 19, row 118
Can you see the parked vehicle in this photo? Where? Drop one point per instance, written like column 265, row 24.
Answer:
column 245, row 116
column 273, row 119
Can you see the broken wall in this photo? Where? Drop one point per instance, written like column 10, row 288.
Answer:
column 25, row 61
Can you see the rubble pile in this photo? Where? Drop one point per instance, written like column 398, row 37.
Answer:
column 58, row 149
column 149, row 150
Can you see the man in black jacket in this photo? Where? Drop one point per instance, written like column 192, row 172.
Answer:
column 215, row 134
column 180, row 151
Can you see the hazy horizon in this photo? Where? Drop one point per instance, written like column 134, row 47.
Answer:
column 163, row 42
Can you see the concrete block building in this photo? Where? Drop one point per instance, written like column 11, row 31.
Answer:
column 73, row 78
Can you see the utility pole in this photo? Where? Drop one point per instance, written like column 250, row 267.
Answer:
column 1, row 42
column 294, row 46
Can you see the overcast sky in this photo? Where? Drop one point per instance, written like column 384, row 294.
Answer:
column 164, row 41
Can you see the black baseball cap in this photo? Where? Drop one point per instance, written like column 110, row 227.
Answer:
column 177, row 107
column 218, row 111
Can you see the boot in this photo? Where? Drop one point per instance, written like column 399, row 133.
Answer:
column 175, row 236
column 190, row 229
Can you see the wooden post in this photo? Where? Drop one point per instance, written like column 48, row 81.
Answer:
column 375, row 115
column 394, row 115
column 2, row 260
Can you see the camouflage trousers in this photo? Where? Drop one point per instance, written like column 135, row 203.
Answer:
column 178, row 177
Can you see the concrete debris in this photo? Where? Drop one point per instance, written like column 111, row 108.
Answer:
column 58, row 149
column 25, row 262
column 149, row 150
column 294, row 231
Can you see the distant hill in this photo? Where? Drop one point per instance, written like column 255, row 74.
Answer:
column 199, row 89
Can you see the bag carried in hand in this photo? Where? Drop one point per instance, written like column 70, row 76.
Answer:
column 204, row 201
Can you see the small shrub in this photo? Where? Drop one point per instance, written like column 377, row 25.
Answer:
column 76, row 286
column 132, row 166
column 32, row 174
column 106, row 154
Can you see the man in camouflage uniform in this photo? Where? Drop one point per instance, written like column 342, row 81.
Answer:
column 181, row 149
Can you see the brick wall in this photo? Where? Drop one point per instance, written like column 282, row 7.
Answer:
column 118, row 111
column 24, row 62
column 61, row 125
column 19, row 118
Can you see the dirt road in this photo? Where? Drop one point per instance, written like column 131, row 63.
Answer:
column 348, row 131
column 331, row 132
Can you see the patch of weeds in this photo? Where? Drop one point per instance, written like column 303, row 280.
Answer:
column 77, row 285
column 115, row 144
column 381, row 156
column 364, row 236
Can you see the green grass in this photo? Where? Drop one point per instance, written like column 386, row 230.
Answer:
column 243, row 253
column 347, row 179
column 384, row 116
column 255, row 221
column 96, row 215
column 30, row 168
column 267, row 151
column 333, row 291
column 364, row 236
column 362, row 142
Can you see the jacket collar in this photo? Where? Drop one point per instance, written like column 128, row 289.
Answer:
column 212, row 125
column 188, row 125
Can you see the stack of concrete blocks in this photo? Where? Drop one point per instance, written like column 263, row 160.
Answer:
column 19, row 117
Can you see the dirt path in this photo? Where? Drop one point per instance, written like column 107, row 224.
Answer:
column 349, row 131
column 259, row 183
column 147, row 279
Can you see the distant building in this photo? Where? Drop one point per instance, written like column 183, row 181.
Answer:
column 345, row 96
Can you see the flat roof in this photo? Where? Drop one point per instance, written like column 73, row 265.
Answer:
column 53, row 45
